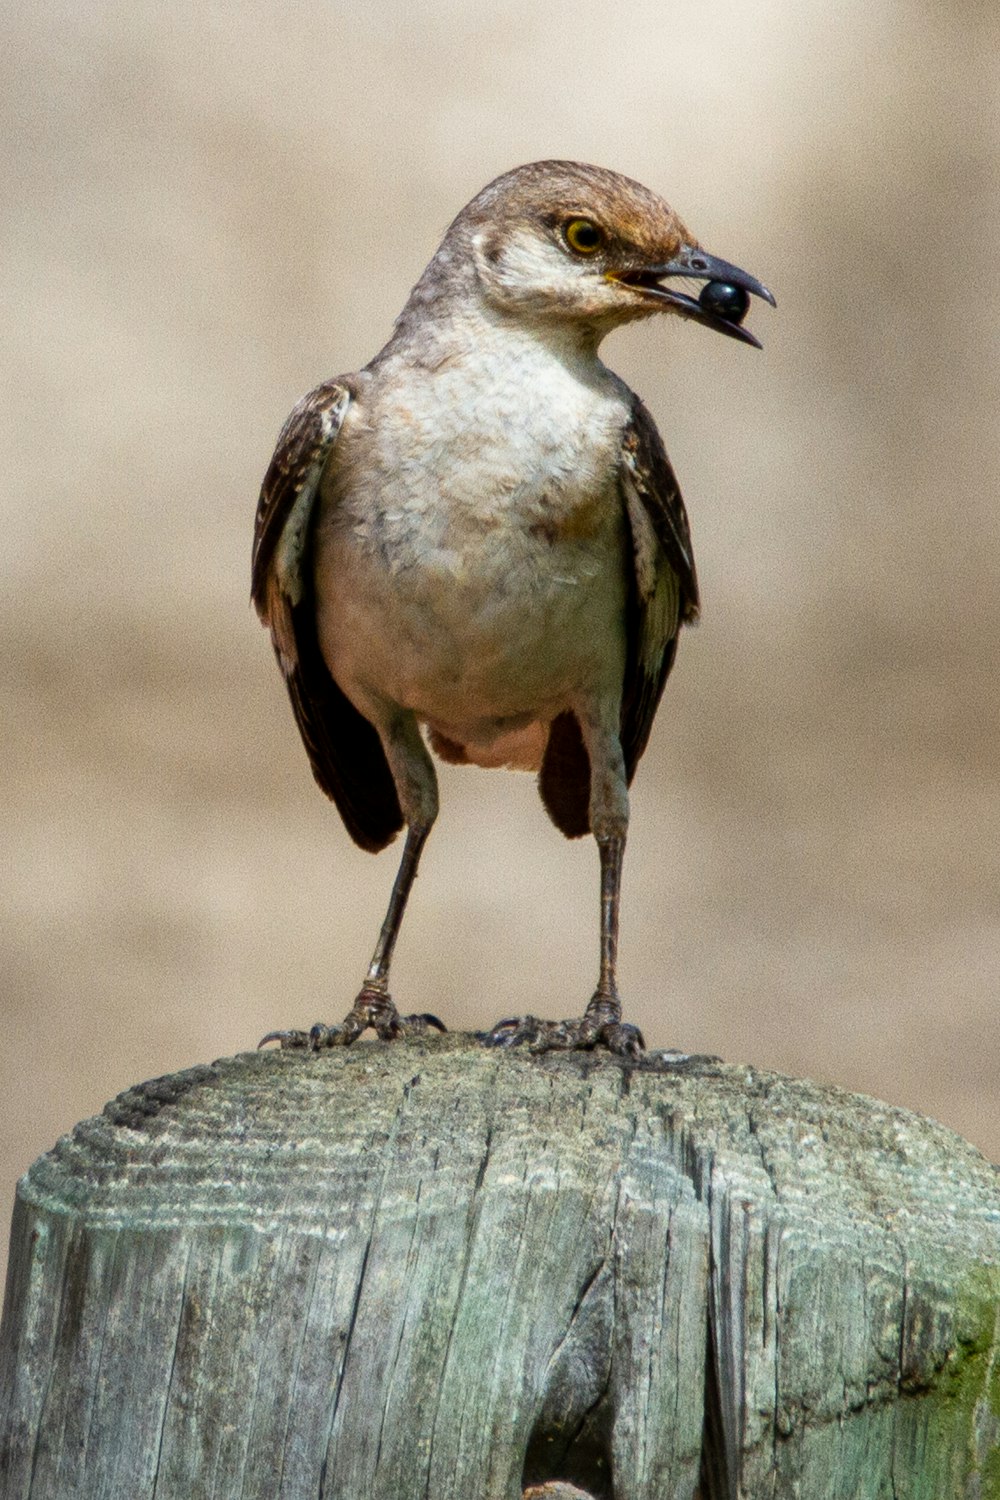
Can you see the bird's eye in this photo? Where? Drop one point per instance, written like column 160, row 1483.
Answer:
column 583, row 236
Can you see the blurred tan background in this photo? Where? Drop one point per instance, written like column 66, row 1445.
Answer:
column 210, row 208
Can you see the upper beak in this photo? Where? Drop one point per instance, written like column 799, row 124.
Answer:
column 691, row 260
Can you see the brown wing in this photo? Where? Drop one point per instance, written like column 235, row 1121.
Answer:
column 663, row 585
column 344, row 750
column 662, row 595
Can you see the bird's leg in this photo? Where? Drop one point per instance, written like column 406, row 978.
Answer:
column 601, row 1024
column 416, row 783
column 374, row 1006
column 605, row 1008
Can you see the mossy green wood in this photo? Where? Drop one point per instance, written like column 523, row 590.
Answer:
column 432, row 1270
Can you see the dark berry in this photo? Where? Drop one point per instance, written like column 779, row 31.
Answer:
column 724, row 301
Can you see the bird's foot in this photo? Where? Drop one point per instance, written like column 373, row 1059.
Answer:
column 600, row 1026
column 373, row 1007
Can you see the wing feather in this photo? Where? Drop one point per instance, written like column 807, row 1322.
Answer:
column 662, row 595
column 343, row 747
column 663, row 586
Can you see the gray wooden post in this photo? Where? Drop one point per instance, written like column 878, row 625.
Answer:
column 428, row 1271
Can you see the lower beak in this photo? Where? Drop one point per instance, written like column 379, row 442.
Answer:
column 691, row 260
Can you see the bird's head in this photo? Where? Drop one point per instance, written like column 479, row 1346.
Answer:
column 560, row 241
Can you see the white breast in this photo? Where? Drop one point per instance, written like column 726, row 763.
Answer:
column 470, row 548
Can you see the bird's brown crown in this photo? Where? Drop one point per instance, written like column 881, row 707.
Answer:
column 633, row 221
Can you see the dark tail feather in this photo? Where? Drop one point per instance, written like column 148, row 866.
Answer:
column 564, row 780
column 347, row 758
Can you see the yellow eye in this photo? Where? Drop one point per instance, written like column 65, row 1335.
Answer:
column 583, row 236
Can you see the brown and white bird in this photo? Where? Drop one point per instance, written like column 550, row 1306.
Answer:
column 479, row 537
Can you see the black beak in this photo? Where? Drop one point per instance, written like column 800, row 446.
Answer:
column 722, row 312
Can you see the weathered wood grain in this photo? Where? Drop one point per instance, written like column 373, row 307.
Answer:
column 429, row 1271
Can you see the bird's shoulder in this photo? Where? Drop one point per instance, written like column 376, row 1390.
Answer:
column 291, row 484
column 654, row 501
column 663, row 591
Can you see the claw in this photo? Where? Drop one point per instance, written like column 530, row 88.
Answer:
column 626, row 1040
column 370, row 1009
column 513, row 1032
column 421, row 1022
column 600, row 1027
column 287, row 1039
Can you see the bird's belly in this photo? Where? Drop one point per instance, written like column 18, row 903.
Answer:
column 485, row 636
